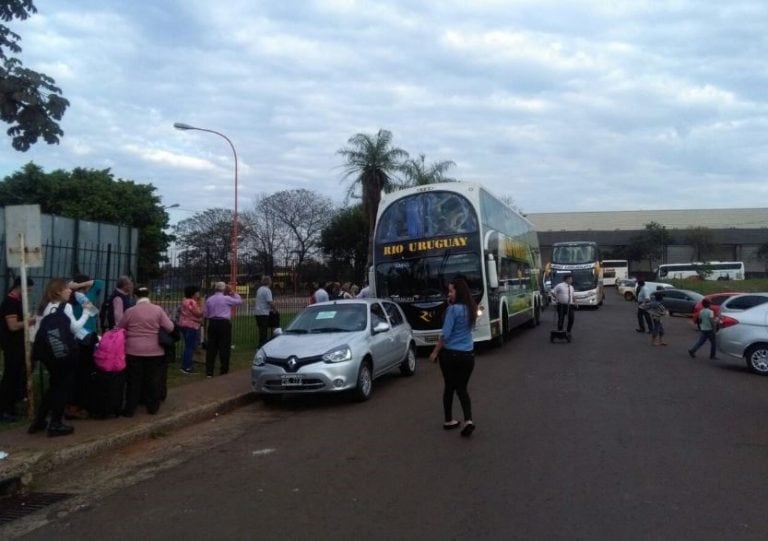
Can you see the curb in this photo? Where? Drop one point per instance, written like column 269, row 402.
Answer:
column 37, row 463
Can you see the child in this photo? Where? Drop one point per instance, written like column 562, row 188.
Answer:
column 707, row 325
column 656, row 311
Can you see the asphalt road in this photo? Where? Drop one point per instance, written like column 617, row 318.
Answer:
column 604, row 438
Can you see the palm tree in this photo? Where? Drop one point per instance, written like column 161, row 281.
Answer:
column 417, row 173
column 371, row 161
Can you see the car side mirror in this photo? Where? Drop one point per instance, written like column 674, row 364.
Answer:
column 277, row 331
column 381, row 327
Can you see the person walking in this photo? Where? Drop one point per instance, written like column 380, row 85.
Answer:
column 190, row 320
column 707, row 330
column 61, row 372
column 563, row 293
column 144, row 356
column 218, row 313
column 642, row 297
column 264, row 305
column 656, row 311
column 455, row 351
column 13, row 386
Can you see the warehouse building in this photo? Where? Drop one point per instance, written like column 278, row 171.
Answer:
column 736, row 234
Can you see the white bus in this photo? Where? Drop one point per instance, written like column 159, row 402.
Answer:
column 614, row 270
column 427, row 235
column 580, row 259
column 710, row 270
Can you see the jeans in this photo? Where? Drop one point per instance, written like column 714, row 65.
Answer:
column 703, row 337
column 191, row 339
column 643, row 320
column 457, row 367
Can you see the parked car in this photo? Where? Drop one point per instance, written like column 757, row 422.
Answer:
column 628, row 292
column 716, row 299
column 679, row 301
column 743, row 330
column 626, row 288
column 335, row 346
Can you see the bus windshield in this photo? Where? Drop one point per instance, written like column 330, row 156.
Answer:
column 426, row 278
column 574, row 254
column 583, row 279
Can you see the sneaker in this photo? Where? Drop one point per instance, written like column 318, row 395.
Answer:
column 640, row 330
column 186, row 371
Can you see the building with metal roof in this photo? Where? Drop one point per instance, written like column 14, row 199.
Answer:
column 737, row 234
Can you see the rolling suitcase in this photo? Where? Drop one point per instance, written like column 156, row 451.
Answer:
column 107, row 394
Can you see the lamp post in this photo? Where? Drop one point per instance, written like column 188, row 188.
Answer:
column 233, row 264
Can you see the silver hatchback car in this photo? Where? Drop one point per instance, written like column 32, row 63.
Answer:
column 743, row 330
column 335, row 346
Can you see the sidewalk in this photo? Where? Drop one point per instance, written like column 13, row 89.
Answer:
column 30, row 456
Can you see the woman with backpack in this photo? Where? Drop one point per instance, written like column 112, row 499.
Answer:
column 59, row 353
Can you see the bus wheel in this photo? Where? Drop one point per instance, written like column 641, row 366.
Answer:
column 536, row 316
column 498, row 341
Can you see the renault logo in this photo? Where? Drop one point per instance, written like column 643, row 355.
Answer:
column 292, row 363
column 425, row 315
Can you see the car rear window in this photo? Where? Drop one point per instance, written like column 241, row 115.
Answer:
column 746, row 301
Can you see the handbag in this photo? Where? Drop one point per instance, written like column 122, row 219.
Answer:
column 274, row 319
column 168, row 339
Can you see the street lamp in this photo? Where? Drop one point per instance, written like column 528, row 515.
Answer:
column 233, row 264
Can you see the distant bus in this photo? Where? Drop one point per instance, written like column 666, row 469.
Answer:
column 613, row 270
column 710, row 270
column 427, row 235
column 580, row 259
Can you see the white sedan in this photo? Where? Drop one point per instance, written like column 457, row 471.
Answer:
column 335, row 346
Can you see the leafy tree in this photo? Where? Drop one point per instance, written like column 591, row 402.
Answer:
column 205, row 242
column 650, row 245
column 702, row 240
column 29, row 101
column 418, row 173
column 344, row 240
column 96, row 196
column 266, row 236
column 371, row 162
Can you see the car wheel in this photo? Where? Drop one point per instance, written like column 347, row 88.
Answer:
column 628, row 296
column 364, row 382
column 408, row 366
column 757, row 359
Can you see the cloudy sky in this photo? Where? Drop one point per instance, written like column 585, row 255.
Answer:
column 564, row 106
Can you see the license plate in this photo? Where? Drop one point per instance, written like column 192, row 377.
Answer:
column 291, row 381
column 432, row 338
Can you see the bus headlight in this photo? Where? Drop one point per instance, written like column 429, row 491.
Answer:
column 480, row 310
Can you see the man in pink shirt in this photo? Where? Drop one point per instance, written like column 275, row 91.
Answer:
column 218, row 312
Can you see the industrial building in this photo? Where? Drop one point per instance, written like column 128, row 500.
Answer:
column 736, row 234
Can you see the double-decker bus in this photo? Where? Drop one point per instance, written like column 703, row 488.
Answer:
column 427, row 235
column 580, row 259
column 614, row 270
column 711, row 270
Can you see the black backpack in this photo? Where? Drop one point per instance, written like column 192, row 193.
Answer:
column 54, row 341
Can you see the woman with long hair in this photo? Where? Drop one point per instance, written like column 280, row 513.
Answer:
column 62, row 372
column 455, row 350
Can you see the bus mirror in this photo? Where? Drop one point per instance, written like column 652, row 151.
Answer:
column 493, row 276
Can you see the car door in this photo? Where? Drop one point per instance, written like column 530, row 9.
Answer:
column 401, row 337
column 381, row 342
column 673, row 301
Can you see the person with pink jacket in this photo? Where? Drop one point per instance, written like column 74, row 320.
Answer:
column 190, row 320
column 144, row 356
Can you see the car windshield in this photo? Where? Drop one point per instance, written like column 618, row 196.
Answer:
column 330, row 318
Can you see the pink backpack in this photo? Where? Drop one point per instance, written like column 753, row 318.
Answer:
column 109, row 355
